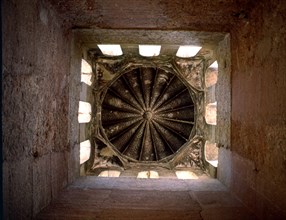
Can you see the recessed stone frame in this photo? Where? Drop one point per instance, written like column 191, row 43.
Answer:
column 215, row 46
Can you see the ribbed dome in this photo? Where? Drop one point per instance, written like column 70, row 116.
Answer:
column 147, row 114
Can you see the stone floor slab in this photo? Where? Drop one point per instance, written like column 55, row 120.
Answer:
column 209, row 199
column 158, row 199
column 150, row 200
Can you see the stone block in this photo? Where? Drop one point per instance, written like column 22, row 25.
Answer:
column 20, row 204
column 227, row 213
column 59, row 173
column 242, row 190
column 73, row 163
column 42, row 189
column 264, row 209
column 212, row 199
column 224, row 170
column 6, row 189
column 151, row 200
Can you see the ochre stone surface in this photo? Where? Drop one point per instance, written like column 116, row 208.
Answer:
column 36, row 142
column 38, row 150
column 205, row 15
column 259, row 109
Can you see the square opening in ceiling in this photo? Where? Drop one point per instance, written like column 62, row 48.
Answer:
column 132, row 68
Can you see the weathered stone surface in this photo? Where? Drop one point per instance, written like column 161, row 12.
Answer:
column 20, row 203
column 130, row 38
column 193, row 73
column 223, row 94
column 42, row 189
column 215, row 199
column 73, row 104
column 36, row 65
column 224, row 171
column 150, row 14
column 259, row 106
column 233, row 213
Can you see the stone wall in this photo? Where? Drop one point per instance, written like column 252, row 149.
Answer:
column 41, row 93
column 202, row 15
column 38, row 153
column 259, row 110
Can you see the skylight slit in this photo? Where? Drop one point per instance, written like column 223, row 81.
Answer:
column 84, row 112
column 188, row 51
column 110, row 49
column 149, row 50
column 84, row 151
